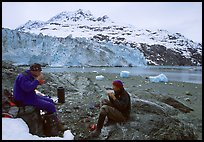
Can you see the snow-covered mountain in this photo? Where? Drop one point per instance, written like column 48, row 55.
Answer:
column 159, row 47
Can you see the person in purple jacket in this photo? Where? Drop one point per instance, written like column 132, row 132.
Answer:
column 24, row 92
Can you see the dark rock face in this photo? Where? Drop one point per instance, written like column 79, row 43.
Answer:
column 159, row 54
column 178, row 105
column 162, row 56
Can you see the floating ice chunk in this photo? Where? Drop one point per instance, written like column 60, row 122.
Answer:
column 124, row 74
column 159, row 78
column 99, row 77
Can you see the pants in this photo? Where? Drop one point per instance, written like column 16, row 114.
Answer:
column 112, row 114
column 44, row 103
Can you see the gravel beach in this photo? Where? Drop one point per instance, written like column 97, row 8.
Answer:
column 188, row 94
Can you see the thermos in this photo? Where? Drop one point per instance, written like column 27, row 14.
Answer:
column 60, row 95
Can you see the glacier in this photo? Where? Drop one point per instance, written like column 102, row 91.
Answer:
column 24, row 48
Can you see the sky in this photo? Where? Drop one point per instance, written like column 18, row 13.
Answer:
column 181, row 17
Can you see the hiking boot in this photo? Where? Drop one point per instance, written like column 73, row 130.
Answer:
column 94, row 134
column 61, row 127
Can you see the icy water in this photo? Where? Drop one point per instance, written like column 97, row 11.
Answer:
column 191, row 74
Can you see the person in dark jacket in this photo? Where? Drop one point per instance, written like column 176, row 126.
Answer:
column 24, row 92
column 116, row 109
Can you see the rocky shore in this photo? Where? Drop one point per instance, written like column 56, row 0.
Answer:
column 160, row 111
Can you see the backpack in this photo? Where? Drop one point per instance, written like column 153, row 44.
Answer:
column 9, row 108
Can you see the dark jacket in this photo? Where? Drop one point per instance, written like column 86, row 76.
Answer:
column 122, row 102
column 24, row 88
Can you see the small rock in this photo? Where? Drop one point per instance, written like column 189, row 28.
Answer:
column 76, row 107
column 60, row 110
column 87, row 120
column 188, row 93
column 90, row 114
column 178, row 97
column 68, row 111
column 91, row 106
column 97, row 105
column 81, row 135
column 187, row 99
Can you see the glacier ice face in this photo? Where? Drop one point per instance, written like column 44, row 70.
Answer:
column 26, row 48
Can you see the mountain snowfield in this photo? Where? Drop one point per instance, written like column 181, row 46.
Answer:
column 78, row 38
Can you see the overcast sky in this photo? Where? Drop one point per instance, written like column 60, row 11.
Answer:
column 182, row 17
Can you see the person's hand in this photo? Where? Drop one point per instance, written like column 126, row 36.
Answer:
column 40, row 79
column 112, row 95
column 105, row 102
column 109, row 91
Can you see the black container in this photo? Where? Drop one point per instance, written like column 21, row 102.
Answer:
column 60, row 95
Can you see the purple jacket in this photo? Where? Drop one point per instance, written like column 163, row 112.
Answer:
column 24, row 88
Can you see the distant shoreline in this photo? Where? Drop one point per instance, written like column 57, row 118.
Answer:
column 185, row 74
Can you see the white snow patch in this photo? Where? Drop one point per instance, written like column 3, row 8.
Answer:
column 17, row 129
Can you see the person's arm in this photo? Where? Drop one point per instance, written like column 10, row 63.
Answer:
column 28, row 85
column 119, row 104
column 107, row 102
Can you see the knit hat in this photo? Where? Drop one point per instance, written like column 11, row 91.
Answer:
column 35, row 67
column 118, row 83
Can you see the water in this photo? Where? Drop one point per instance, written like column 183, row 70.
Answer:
column 191, row 74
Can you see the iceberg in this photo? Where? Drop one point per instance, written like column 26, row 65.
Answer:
column 124, row 74
column 159, row 78
column 99, row 77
